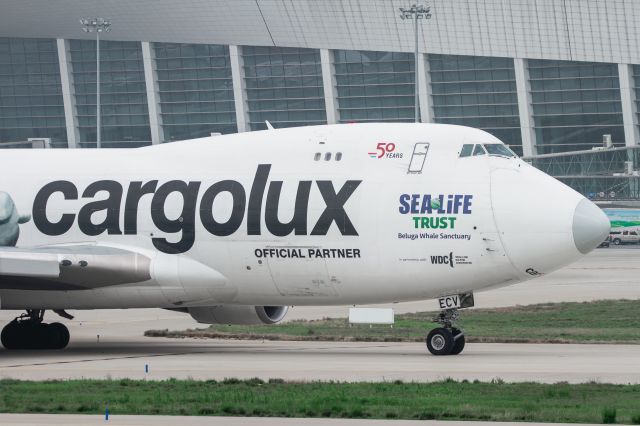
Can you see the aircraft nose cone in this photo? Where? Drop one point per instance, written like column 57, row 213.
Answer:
column 543, row 224
column 590, row 226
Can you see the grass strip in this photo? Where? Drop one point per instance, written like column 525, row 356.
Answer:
column 605, row 321
column 450, row 400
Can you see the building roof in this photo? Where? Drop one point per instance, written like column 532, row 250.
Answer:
column 582, row 30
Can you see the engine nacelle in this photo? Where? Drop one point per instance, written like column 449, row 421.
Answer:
column 238, row 314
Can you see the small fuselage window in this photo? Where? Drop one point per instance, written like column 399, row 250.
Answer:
column 327, row 156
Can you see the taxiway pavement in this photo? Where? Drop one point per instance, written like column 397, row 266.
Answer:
column 339, row 361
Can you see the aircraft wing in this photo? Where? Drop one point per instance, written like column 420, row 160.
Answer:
column 71, row 267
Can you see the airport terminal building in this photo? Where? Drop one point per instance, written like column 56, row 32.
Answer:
column 545, row 76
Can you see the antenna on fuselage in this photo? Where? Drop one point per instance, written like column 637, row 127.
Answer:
column 269, row 126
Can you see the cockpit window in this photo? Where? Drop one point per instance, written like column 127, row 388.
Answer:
column 497, row 149
column 493, row 149
column 479, row 150
column 466, row 151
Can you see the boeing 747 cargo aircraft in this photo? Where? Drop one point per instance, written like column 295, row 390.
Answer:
column 233, row 229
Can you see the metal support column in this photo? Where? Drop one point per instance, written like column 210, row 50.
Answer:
column 153, row 96
column 416, row 68
column 98, row 113
column 239, row 90
column 424, row 77
column 68, row 95
column 629, row 107
column 416, row 12
column 329, row 86
column 525, row 108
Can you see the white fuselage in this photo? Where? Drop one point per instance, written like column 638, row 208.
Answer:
column 214, row 216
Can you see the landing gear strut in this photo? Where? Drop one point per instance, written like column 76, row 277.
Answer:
column 29, row 332
column 446, row 340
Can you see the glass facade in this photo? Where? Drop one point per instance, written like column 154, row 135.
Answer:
column 478, row 92
column 284, row 86
column 636, row 89
column 574, row 104
column 374, row 86
column 30, row 91
column 196, row 90
column 123, row 94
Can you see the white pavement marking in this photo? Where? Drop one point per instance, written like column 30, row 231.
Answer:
column 73, row 419
column 339, row 361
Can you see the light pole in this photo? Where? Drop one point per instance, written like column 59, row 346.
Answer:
column 416, row 12
column 96, row 25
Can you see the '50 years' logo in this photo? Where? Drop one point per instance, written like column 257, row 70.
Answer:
column 385, row 150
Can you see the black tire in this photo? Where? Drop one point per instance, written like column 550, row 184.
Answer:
column 617, row 241
column 36, row 336
column 440, row 341
column 458, row 341
column 21, row 335
column 10, row 336
column 58, row 336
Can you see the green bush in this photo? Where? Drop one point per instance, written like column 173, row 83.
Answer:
column 609, row 415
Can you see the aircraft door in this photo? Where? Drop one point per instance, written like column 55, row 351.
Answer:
column 418, row 157
column 298, row 273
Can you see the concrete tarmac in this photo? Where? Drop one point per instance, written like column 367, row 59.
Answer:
column 73, row 419
column 339, row 361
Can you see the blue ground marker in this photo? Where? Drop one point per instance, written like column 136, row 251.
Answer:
column 106, row 414
column 146, row 368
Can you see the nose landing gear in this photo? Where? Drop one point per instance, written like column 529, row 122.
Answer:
column 29, row 332
column 446, row 340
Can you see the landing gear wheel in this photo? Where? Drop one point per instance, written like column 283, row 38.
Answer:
column 440, row 341
column 458, row 345
column 10, row 337
column 447, row 339
column 57, row 336
column 29, row 332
